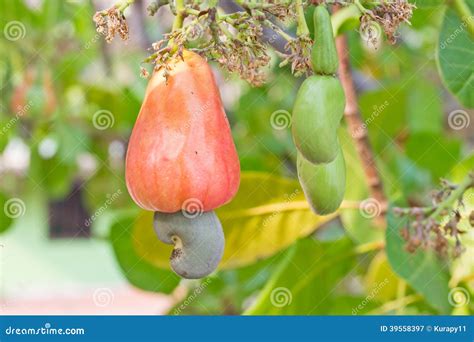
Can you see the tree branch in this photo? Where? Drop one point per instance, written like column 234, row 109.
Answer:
column 356, row 126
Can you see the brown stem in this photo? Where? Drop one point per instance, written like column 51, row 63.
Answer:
column 357, row 129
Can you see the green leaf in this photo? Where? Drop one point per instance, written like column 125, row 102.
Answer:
column 422, row 270
column 136, row 269
column 436, row 153
column 267, row 215
column 345, row 19
column 384, row 114
column 305, row 282
column 360, row 227
column 428, row 17
column 455, row 57
column 54, row 175
column 412, row 180
column 345, row 305
column 427, row 3
column 425, row 109
column 460, row 170
column 6, row 221
column 228, row 292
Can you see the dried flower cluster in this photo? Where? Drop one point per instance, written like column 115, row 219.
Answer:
column 431, row 228
column 236, row 40
column 299, row 56
column 111, row 22
column 238, row 47
column 283, row 10
column 165, row 55
column 429, row 233
column 233, row 40
column 389, row 15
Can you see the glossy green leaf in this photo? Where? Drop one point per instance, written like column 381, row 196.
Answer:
column 305, row 282
column 267, row 215
column 422, row 270
column 455, row 57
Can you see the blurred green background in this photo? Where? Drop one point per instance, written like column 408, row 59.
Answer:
column 72, row 240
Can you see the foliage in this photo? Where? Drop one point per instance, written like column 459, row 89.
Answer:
column 69, row 102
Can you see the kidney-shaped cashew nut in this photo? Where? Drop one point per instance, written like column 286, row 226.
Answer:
column 198, row 242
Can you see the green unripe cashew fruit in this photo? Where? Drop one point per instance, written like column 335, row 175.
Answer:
column 198, row 242
column 323, row 184
column 323, row 54
column 317, row 114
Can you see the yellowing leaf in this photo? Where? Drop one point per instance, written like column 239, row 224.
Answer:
column 267, row 215
column 146, row 243
column 381, row 282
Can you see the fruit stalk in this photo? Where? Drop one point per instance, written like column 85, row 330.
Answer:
column 302, row 27
column 178, row 20
column 456, row 195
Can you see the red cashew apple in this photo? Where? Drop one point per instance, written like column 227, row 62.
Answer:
column 181, row 149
